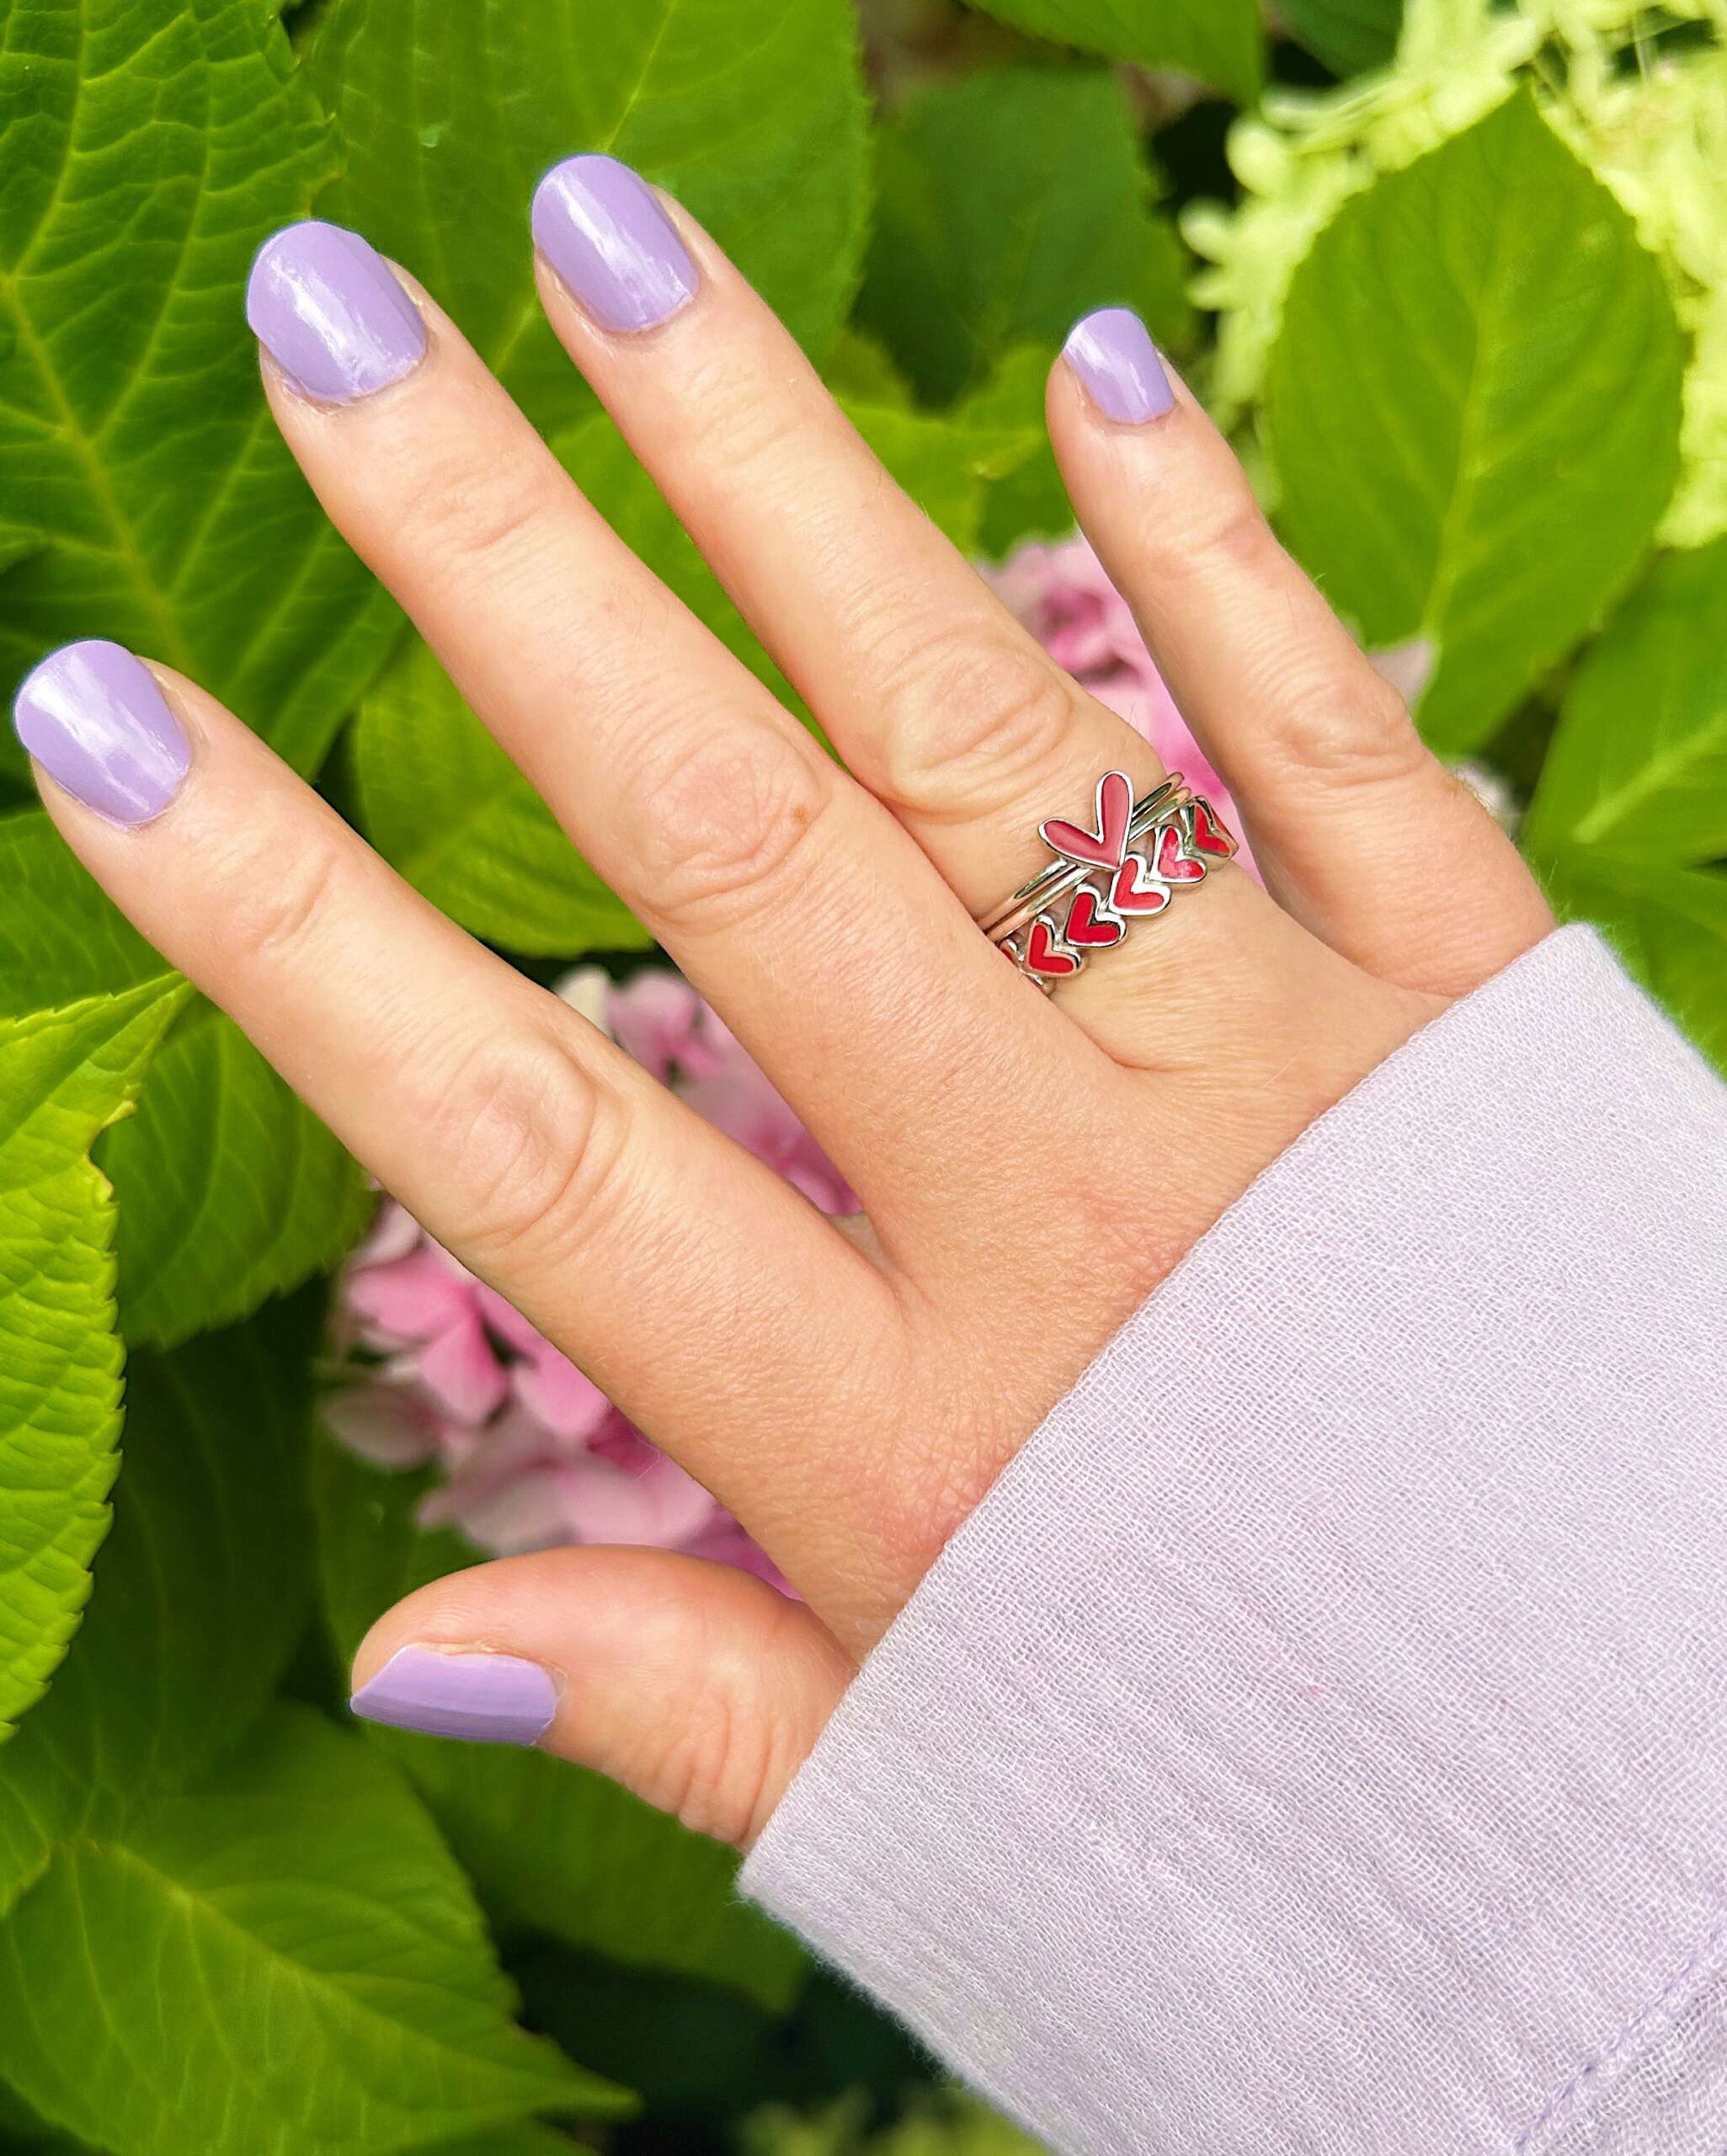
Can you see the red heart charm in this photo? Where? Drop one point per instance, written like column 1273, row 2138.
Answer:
column 1173, row 864
column 1104, row 847
column 1088, row 927
column 1208, row 834
column 1042, row 955
column 1127, row 895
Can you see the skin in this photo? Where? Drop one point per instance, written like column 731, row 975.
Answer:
column 1030, row 1169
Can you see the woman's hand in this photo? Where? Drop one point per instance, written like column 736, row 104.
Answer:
column 1030, row 1168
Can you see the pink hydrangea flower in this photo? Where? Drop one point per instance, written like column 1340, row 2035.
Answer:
column 440, row 1368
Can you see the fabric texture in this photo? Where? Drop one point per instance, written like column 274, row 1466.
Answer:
column 1317, row 1742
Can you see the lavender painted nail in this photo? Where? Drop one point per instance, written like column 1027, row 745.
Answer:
column 1115, row 360
column 486, row 1699
column 603, row 231
column 94, row 719
column 330, row 313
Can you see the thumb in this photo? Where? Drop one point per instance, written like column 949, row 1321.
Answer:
column 695, row 1685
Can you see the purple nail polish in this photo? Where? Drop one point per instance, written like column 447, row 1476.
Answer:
column 486, row 1699
column 603, row 231
column 94, row 719
column 1115, row 358
column 330, row 313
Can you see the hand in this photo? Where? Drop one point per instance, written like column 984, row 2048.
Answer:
column 1030, row 1169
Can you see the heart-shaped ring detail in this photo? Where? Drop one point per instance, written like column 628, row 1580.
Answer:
column 1045, row 956
column 1136, row 890
column 1174, row 863
column 1104, row 847
column 1209, row 835
column 1088, row 926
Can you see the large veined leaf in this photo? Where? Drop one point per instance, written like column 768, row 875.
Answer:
column 1010, row 203
column 283, row 1960
column 442, row 802
column 1473, row 410
column 1670, row 926
column 63, row 1076
column 444, row 805
column 61, row 937
column 750, row 111
column 547, row 1845
column 150, row 144
column 201, row 1589
column 231, row 1190
column 1639, row 760
column 1349, row 36
column 1218, row 41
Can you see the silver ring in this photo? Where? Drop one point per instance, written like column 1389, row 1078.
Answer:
column 1049, row 884
column 1105, row 879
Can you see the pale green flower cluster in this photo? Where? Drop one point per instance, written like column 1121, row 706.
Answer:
column 1640, row 93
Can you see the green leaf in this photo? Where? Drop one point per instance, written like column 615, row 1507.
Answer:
column 1638, row 763
column 231, row 1190
column 1218, row 41
column 67, row 1074
column 1473, row 409
column 1010, row 203
column 548, row 1845
column 1669, row 926
column 1350, row 36
column 1027, row 497
column 201, row 1589
column 444, row 805
column 61, row 937
column 751, row 112
column 281, row 1961
column 150, row 144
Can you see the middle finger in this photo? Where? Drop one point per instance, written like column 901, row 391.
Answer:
column 786, row 893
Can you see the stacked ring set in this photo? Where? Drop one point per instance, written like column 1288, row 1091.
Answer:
column 1104, row 881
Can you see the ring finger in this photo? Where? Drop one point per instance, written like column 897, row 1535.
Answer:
column 942, row 704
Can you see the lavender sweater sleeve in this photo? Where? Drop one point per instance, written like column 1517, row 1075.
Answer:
column 1317, row 1741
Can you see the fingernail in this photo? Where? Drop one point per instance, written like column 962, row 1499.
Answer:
column 94, row 719
column 603, row 231
column 330, row 313
column 486, row 1699
column 1115, row 358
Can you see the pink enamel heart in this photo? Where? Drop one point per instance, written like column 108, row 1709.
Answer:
column 1104, row 847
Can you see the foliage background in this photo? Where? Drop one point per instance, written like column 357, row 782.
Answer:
column 1454, row 272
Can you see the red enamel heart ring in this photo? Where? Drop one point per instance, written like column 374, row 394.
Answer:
column 1135, row 890
column 1088, row 927
column 1043, row 955
column 1124, row 868
column 1174, row 864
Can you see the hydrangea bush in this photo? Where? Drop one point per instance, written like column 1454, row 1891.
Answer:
column 1454, row 275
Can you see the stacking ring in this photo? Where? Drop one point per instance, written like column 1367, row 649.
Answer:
column 1104, row 880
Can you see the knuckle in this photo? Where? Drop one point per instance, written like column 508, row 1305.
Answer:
column 278, row 889
column 729, row 829
column 1222, row 524
column 535, row 1145
column 472, row 514
column 969, row 717
column 742, row 428
column 1354, row 732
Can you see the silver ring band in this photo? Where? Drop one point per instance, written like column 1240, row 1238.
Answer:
column 1104, row 880
column 1049, row 884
